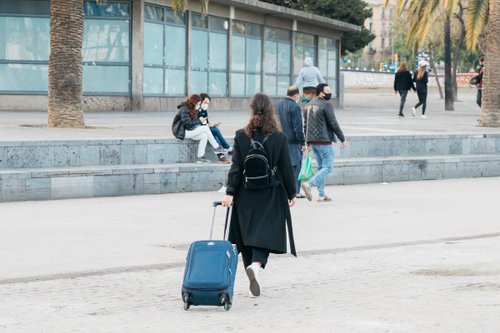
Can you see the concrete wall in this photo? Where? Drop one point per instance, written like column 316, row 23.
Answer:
column 362, row 79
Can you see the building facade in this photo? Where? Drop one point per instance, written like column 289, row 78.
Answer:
column 142, row 55
column 380, row 49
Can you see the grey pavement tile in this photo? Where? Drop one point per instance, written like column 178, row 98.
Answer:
column 38, row 189
column 67, row 155
column 72, row 187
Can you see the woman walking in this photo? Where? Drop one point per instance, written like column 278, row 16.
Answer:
column 421, row 79
column 195, row 131
column 402, row 83
column 260, row 217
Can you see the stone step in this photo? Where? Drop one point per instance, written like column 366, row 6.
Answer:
column 47, row 154
column 136, row 179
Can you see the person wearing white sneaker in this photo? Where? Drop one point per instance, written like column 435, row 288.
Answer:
column 421, row 80
column 261, row 216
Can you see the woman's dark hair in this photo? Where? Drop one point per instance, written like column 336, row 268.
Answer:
column 205, row 95
column 261, row 116
column 191, row 103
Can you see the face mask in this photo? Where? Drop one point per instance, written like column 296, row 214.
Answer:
column 327, row 96
column 204, row 106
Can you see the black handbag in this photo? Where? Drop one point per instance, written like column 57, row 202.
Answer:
column 178, row 128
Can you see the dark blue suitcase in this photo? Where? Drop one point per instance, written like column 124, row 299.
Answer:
column 210, row 271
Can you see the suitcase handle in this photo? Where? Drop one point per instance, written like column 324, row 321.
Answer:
column 215, row 204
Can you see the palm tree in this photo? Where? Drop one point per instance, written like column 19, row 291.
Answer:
column 65, row 61
column 480, row 14
column 490, row 109
column 65, row 64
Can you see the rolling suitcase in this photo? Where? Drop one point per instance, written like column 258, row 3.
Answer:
column 210, row 271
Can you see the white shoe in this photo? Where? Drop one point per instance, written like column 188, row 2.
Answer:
column 253, row 276
column 423, row 116
column 413, row 111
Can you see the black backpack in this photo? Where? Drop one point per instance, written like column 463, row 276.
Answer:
column 257, row 173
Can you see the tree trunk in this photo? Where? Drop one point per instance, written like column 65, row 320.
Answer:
column 65, row 64
column 490, row 110
column 433, row 66
column 456, row 56
column 448, row 83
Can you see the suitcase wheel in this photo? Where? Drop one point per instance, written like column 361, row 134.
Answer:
column 185, row 298
column 224, row 300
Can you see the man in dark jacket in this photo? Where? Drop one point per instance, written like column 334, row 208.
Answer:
column 290, row 117
column 321, row 127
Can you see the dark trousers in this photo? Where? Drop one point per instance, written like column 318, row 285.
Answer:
column 422, row 100
column 479, row 97
column 252, row 254
column 296, row 171
column 403, row 94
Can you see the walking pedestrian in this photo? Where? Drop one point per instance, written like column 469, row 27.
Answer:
column 479, row 85
column 290, row 117
column 322, row 128
column 309, row 77
column 421, row 80
column 260, row 217
column 402, row 83
column 214, row 127
column 195, row 131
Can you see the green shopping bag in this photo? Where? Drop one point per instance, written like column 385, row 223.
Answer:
column 306, row 171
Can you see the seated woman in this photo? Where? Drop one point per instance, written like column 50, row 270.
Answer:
column 205, row 103
column 195, row 131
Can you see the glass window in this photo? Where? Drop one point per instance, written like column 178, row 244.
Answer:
column 218, row 51
column 217, row 84
column 209, row 55
column 153, row 46
column 238, row 53
column 328, row 62
column 198, row 82
column 238, row 84
column 106, row 47
column 252, row 84
column 175, row 50
column 270, row 85
column 304, row 47
column 246, row 58
column 109, row 79
column 105, row 9
column 24, row 38
column 175, row 82
column 24, row 77
column 276, row 61
column 153, row 80
column 164, row 51
column 199, row 49
column 105, row 40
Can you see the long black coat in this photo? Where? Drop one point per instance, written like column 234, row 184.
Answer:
column 260, row 217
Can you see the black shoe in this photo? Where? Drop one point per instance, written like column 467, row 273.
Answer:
column 300, row 196
column 401, row 115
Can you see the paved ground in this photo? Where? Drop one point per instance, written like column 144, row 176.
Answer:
column 400, row 257
column 366, row 112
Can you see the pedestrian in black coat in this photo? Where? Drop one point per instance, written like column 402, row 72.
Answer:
column 402, row 83
column 290, row 117
column 421, row 80
column 260, row 218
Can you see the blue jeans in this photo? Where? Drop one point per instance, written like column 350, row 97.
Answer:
column 219, row 138
column 324, row 158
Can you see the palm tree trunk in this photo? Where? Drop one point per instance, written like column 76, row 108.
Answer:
column 448, row 83
column 490, row 110
column 460, row 41
column 65, row 64
column 433, row 66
